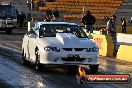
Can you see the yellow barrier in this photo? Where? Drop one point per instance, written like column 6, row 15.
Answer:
column 125, row 53
column 105, row 44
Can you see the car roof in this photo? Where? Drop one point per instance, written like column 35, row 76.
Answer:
column 38, row 24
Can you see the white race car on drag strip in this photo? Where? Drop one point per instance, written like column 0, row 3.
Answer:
column 59, row 43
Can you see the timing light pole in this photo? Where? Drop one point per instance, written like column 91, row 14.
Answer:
column 30, row 4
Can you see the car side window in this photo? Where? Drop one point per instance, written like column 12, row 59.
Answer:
column 46, row 32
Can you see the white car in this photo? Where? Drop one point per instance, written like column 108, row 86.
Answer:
column 59, row 43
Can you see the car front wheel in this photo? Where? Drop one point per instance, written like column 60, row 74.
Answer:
column 93, row 68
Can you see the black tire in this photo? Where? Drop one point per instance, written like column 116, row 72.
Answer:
column 38, row 66
column 24, row 61
column 8, row 31
column 81, row 80
column 93, row 68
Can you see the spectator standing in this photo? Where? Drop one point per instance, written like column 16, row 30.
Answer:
column 48, row 12
column 29, row 17
column 55, row 13
column 43, row 2
column 124, row 25
column 88, row 20
column 18, row 18
column 22, row 19
column 111, row 28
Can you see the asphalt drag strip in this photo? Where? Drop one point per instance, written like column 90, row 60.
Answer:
column 55, row 77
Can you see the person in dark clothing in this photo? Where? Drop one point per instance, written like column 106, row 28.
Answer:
column 22, row 18
column 18, row 18
column 124, row 25
column 111, row 28
column 88, row 20
column 29, row 17
column 43, row 3
column 55, row 13
column 48, row 12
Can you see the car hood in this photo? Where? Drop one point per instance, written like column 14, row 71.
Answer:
column 67, row 40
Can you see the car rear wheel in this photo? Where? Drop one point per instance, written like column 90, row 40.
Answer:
column 93, row 68
column 38, row 66
column 9, row 31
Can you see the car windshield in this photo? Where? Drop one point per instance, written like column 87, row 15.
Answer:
column 7, row 11
column 50, row 30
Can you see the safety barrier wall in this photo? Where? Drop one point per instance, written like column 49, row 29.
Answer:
column 124, row 38
column 125, row 47
column 121, row 38
column 105, row 44
column 125, row 53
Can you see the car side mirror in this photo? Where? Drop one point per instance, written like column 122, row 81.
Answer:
column 34, row 33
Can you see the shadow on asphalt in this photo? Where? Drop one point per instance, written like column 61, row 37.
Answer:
column 13, row 33
column 47, row 69
column 17, row 34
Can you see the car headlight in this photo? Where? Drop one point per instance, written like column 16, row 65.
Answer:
column 94, row 49
column 49, row 48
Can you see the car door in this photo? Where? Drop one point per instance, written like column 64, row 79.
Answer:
column 32, row 46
